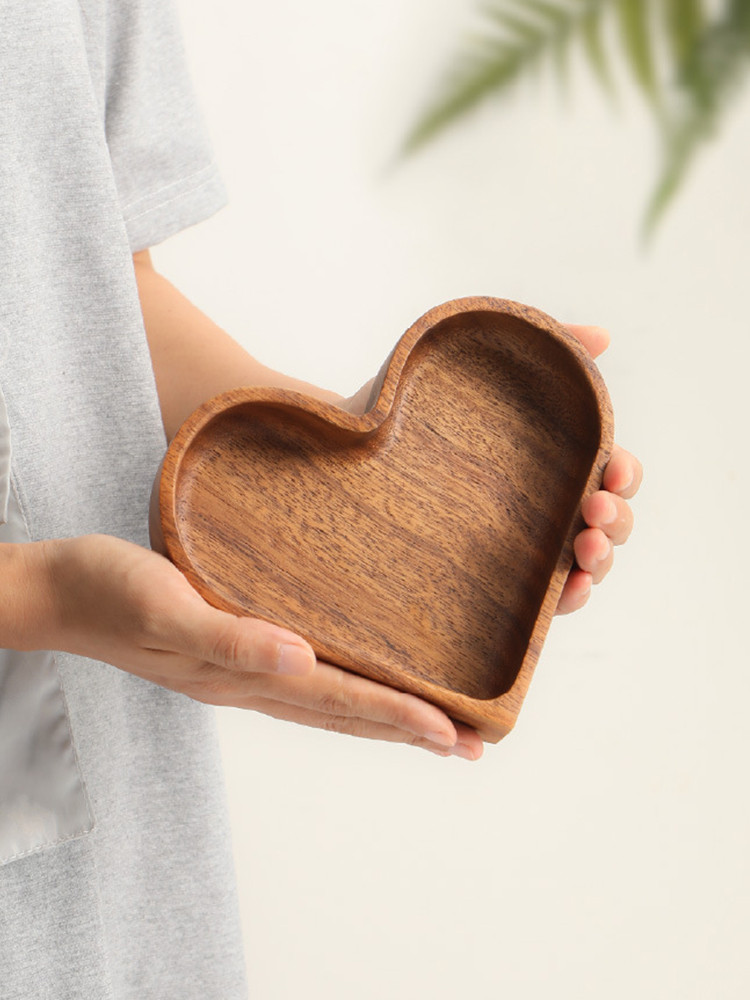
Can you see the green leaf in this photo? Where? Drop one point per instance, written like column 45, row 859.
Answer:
column 635, row 26
column 561, row 62
column 712, row 76
column 518, row 27
column 555, row 14
column 681, row 147
column 591, row 32
column 490, row 72
column 553, row 29
column 492, row 67
column 705, row 45
column 683, row 23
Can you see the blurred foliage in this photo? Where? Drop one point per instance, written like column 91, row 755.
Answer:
column 687, row 57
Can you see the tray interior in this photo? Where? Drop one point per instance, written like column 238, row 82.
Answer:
column 423, row 548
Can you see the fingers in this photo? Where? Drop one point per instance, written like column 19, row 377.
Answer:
column 594, row 338
column 467, row 746
column 339, row 694
column 609, row 521
column 576, row 592
column 624, row 474
column 338, row 701
column 594, row 553
column 608, row 517
column 609, row 514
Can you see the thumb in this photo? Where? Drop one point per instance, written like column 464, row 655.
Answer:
column 244, row 644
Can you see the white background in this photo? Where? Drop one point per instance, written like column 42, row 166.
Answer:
column 601, row 850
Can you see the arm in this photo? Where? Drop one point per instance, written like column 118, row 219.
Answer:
column 193, row 358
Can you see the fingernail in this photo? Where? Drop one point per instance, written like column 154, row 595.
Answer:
column 611, row 514
column 295, row 659
column 442, row 739
column 464, row 751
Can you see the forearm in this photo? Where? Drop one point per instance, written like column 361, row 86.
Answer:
column 193, row 358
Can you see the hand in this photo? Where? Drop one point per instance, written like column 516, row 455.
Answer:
column 606, row 512
column 115, row 601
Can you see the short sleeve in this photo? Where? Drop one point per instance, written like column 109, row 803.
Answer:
column 161, row 157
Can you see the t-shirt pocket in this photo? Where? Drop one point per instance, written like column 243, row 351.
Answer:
column 43, row 799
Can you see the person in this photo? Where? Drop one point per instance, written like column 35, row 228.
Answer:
column 115, row 871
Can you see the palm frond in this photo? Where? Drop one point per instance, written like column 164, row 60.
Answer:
column 633, row 16
column 519, row 36
column 683, row 22
column 714, row 66
column 591, row 35
column 484, row 74
column 687, row 57
column 679, row 153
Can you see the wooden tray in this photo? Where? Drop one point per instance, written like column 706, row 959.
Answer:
column 425, row 543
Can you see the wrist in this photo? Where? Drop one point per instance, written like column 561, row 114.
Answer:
column 28, row 614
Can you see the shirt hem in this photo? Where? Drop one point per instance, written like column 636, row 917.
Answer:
column 173, row 207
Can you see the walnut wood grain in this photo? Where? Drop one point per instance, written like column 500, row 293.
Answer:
column 425, row 543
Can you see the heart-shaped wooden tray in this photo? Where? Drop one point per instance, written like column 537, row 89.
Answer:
column 424, row 543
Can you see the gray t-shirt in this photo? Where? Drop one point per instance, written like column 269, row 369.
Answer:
column 115, row 868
